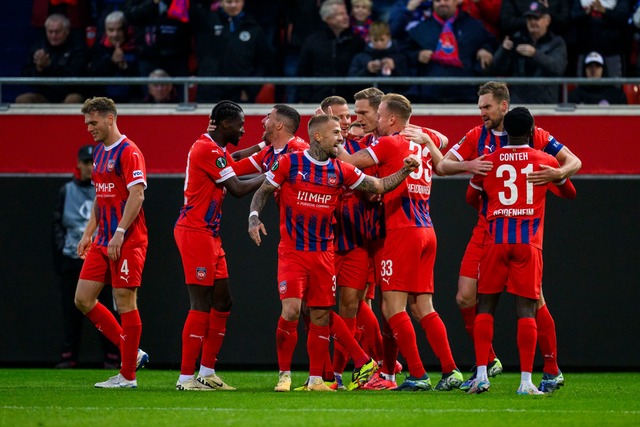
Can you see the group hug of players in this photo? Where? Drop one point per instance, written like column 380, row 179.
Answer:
column 354, row 216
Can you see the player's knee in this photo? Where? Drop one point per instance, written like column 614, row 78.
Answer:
column 223, row 306
column 464, row 300
column 290, row 312
column 83, row 305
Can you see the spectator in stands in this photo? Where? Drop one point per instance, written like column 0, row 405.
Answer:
column 229, row 43
column 381, row 58
column 361, row 18
column 78, row 13
column 56, row 55
column 600, row 26
column 406, row 14
column 161, row 93
column 301, row 19
column 602, row 95
column 162, row 36
column 536, row 52
column 449, row 44
column 115, row 55
column 512, row 17
column 328, row 53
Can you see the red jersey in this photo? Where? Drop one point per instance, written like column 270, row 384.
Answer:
column 374, row 212
column 115, row 169
column 350, row 227
column 262, row 161
column 515, row 211
column 309, row 192
column 407, row 205
column 208, row 166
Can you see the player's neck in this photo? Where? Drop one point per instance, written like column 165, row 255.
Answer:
column 316, row 152
column 281, row 141
column 114, row 137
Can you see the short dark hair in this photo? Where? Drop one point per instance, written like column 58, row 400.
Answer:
column 398, row 105
column 289, row 116
column 101, row 105
column 372, row 94
column 518, row 122
column 499, row 90
column 319, row 120
column 225, row 110
column 332, row 100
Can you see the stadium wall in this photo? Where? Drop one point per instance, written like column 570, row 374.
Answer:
column 591, row 253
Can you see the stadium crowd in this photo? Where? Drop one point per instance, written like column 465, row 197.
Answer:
column 330, row 38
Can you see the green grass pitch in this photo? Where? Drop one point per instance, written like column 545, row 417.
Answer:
column 47, row 397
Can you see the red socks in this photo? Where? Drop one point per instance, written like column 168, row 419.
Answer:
column 437, row 336
column 527, row 336
column 340, row 353
column 286, row 340
column 405, row 336
column 547, row 340
column 318, row 348
column 130, row 343
column 389, row 349
column 469, row 317
column 483, row 336
column 344, row 337
column 106, row 323
column 371, row 336
column 193, row 335
column 214, row 337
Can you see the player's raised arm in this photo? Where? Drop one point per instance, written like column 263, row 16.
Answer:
column 372, row 184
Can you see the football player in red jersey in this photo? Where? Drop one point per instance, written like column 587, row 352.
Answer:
column 468, row 155
column 209, row 176
column 310, row 183
column 410, row 244
column 119, row 250
column 512, row 258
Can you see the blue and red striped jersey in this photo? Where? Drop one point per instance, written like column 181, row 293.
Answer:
column 309, row 192
column 350, row 227
column 115, row 169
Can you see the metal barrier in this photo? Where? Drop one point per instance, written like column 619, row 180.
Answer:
column 186, row 82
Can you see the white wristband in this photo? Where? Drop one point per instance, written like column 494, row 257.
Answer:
column 262, row 145
column 121, row 230
column 253, row 213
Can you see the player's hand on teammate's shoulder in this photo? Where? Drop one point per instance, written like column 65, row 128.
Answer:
column 414, row 133
column 544, row 176
column 479, row 166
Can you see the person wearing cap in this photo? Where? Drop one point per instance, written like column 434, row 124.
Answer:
column 536, row 52
column 512, row 17
column 594, row 68
column 70, row 217
column 512, row 260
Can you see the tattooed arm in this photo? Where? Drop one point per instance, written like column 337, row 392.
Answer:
column 371, row 184
column 257, row 204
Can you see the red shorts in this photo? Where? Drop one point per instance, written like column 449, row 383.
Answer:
column 351, row 268
column 203, row 258
column 307, row 275
column 516, row 267
column 408, row 258
column 474, row 251
column 375, row 258
column 126, row 272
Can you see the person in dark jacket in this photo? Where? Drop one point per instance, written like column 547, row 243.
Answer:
column 449, row 44
column 381, row 58
column 115, row 55
column 594, row 66
column 56, row 55
column 512, row 17
column 70, row 217
column 231, row 43
column 328, row 53
column 536, row 52
column 163, row 39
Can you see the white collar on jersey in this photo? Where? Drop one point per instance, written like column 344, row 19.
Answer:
column 312, row 160
column 115, row 144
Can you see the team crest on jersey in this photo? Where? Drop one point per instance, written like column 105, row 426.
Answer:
column 110, row 165
column 201, row 273
column 282, row 287
column 333, row 180
column 244, row 36
column 274, row 167
column 221, row 162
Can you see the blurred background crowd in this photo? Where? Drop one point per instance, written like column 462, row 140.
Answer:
column 314, row 38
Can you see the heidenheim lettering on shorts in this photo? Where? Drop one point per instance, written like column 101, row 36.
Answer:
column 419, row 189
